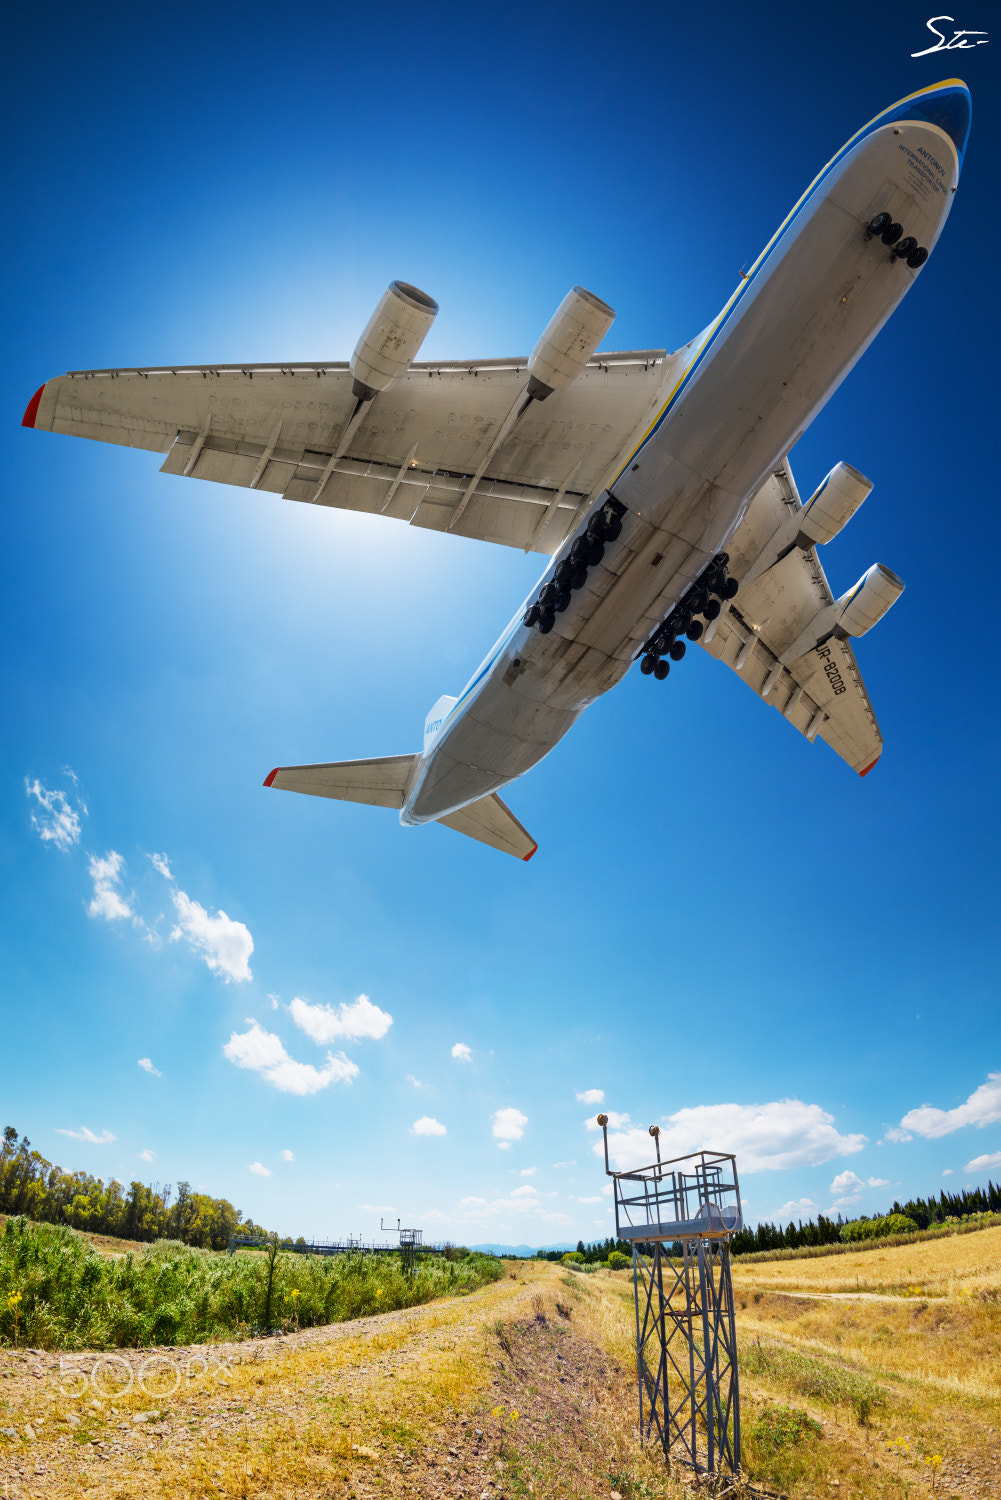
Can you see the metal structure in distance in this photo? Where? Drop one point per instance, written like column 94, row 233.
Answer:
column 679, row 1216
column 411, row 1243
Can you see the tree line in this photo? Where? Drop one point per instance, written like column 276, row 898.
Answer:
column 918, row 1213
column 42, row 1191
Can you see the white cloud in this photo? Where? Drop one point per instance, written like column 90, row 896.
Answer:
column 503, row 1145
column 519, row 1205
column 948, row 1172
column 983, row 1163
column 896, row 1135
column 427, row 1126
column 259, row 1170
column 764, row 1137
column 375, row 1208
column 595, row 1199
column 159, row 862
column 798, row 1208
column 323, row 1022
column 528, row 1171
column 274, row 999
column 83, row 1134
column 591, row 1096
column 225, row 945
column 107, row 901
column 877, row 1182
column 287, row 1155
column 415, row 1081
column 509, row 1125
column 146, row 1155
column 564, row 1163
column 462, row 1052
column 54, row 820
column 263, row 1052
column 983, row 1107
column 525, row 1191
column 147, row 1067
column 615, row 1122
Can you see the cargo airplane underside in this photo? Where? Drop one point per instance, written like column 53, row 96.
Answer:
column 658, row 485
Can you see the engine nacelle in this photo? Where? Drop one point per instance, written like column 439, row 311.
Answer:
column 573, row 333
column 392, row 337
column 832, row 505
column 866, row 604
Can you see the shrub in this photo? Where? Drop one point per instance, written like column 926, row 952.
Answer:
column 619, row 1262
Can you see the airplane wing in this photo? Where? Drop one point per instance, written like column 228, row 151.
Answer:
column 822, row 693
column 433, row 450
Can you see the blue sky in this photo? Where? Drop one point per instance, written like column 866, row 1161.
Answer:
column 724, row 929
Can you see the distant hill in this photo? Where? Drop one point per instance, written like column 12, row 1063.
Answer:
column 522, row 1250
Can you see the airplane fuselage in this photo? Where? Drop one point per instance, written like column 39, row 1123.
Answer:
column 732, row 405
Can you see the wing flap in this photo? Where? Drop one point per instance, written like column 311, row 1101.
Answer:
column 381, row 782
column 492, row 822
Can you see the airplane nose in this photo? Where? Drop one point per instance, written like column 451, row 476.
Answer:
column 947, row 105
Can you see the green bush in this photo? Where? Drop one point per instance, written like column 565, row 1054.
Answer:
column 781, row 1426
column 56, row 1292
column 619, row 1262
column 573, row 1258
column 877, row 1229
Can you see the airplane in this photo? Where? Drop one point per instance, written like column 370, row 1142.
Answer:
column 657, row 485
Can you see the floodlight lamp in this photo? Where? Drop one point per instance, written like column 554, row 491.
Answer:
column 655, row 1131
column 602, row 1120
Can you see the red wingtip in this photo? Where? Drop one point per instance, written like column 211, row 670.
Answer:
column 869, row 766
column 31, row 410
column 271, row 776
column 526, row 857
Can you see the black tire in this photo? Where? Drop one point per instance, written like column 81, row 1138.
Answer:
column 647, row 664
column 613, row 529
column 712, row 609
column 695, row 630
column 564, row 571
column 561, row 601
column 891, row 234
column 661, row 670
column 699, row 601
column 532, row 614
column 547, row 595
column 677, row 651
column 905, row 247
column 664, row 642
column 596, row 553
column 596, row 526
column 878, row 224
column 731, row 588
column 580, row 549
column 917, row 257
column 579, row 577
column 546, row 621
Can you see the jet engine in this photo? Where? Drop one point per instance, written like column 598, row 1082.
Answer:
column 571, row 336
column 392, row 337
column 832, row 505
column 856, row 612
column 866, row 604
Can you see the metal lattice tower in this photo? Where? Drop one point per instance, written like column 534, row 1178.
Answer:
column 679, row 1216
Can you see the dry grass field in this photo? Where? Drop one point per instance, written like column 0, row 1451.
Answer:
column 888, row 1388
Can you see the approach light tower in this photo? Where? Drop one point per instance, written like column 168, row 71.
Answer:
column 679, row 1216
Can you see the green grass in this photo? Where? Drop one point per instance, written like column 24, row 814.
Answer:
column 823, row 1380
column 56, row 1292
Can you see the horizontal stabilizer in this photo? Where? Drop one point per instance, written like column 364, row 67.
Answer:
column 492, row 822
column 380, row 783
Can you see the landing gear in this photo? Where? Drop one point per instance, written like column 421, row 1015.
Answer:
column 906, row 249
column 695, row 630
column 649, row 664
column 707, row 596
column 677, row 651
column 570, row 573
column 661, row 670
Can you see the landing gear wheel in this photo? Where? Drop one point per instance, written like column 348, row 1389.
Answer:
column 561, row 601
column 712, row 609
column 905, row 247
column 532, row 614
column 546, row 622
column 661, row 670
column 917, row 257
column 547, row 595
column 596, row 553
column 613, row 529
column 563, row 573
column 878, row 224
column 580, row 549
column 649, row 664
column 663, row 643
column 694, row 630
column 730, row 588
column 579, row 577
column 677, row 651
column 892, row 233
